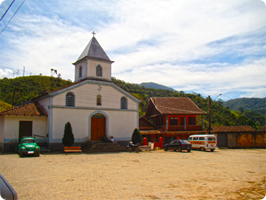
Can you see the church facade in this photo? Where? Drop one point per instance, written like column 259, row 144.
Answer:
column 94, row 106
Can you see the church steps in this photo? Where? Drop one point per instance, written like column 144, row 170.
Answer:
column 97, row 147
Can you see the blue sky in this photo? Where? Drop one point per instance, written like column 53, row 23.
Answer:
column 202, row 46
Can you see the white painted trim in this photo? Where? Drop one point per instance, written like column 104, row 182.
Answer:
column 94, row 108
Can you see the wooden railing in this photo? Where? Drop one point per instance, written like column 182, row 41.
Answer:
column 182, row 128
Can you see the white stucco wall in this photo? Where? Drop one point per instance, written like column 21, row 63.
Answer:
column 11, row 127
column 84, row 71
column 119, row 124
column 106, row 69
column 89, row 70
column 45, row 103
column 122, row 124
column 86, row 96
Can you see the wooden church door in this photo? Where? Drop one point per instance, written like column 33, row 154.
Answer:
column 97, row 127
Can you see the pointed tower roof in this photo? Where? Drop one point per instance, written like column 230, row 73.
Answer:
column 95, row 51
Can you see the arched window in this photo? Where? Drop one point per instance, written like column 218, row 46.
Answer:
column 80, row 71
column 123, row 103
column 99, row 100
column 99, row 71
column 70, row 99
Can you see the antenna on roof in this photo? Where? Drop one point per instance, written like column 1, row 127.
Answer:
column 93, row 33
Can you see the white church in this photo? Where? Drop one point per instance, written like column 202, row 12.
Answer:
column 93, row 105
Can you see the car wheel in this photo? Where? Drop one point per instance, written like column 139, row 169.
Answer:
column 165, row 149
column 174, row 149
column 179, row 149
column 188, row 150
column 212, row 150
column 202, row 149
column 20, row 154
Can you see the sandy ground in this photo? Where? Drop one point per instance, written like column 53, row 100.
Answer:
column 223, row 174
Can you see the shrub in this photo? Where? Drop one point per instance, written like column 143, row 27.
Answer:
column 68, row 139
column 136, row 137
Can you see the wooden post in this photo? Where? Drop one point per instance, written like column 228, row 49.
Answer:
column 166, row 122
column 209, row 104
column 202, row 122
column 185, row 122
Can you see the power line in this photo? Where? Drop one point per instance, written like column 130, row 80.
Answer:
column 12, row 17
column 7, row 10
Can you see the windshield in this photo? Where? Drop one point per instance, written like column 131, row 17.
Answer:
column 185, row 142
column 29, row 141
column 211, row 138
column 173, row 142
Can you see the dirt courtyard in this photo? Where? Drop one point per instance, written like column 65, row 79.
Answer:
column 223, row 174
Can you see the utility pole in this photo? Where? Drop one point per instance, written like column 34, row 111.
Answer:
column 23, row 71
column 209, row 104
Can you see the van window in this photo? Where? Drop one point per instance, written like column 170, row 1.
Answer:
column 211, row 138
column 202, row 138
column 190, row 138
column 196, row 138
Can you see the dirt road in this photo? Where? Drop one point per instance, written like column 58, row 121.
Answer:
column 223, row 174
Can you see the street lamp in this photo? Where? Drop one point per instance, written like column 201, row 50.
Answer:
column 209, row 104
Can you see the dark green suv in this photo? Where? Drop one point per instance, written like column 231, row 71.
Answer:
column 28, row 146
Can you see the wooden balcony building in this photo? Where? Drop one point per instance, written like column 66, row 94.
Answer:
column 171, row 118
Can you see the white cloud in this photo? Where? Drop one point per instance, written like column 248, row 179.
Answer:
column 182, row 44
column 5, row 73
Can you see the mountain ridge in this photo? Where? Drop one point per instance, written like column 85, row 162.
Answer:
column 156, row 86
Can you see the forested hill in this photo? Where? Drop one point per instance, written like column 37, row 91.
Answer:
column 15, row 91
column 18, row 90
column 155, row 86
column 257, row 105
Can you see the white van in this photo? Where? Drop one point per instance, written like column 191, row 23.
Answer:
column 203, row 142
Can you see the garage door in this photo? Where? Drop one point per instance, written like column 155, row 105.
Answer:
column 222, row 140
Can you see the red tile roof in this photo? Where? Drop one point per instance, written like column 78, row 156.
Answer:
column 176, row 105
column 263, row 128
column 223, row 129
column 30, row 109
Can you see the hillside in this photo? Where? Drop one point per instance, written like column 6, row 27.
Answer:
column 257, row 105
column 4, row 106
column 18, row 90
column 155, row 86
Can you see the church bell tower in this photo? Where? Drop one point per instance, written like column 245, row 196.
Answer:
column 93, row 63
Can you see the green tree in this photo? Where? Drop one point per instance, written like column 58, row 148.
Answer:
column 241, row 110
column 68, row 138
column 136, row 137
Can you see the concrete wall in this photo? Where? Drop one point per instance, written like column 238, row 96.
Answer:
column 10, row 130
